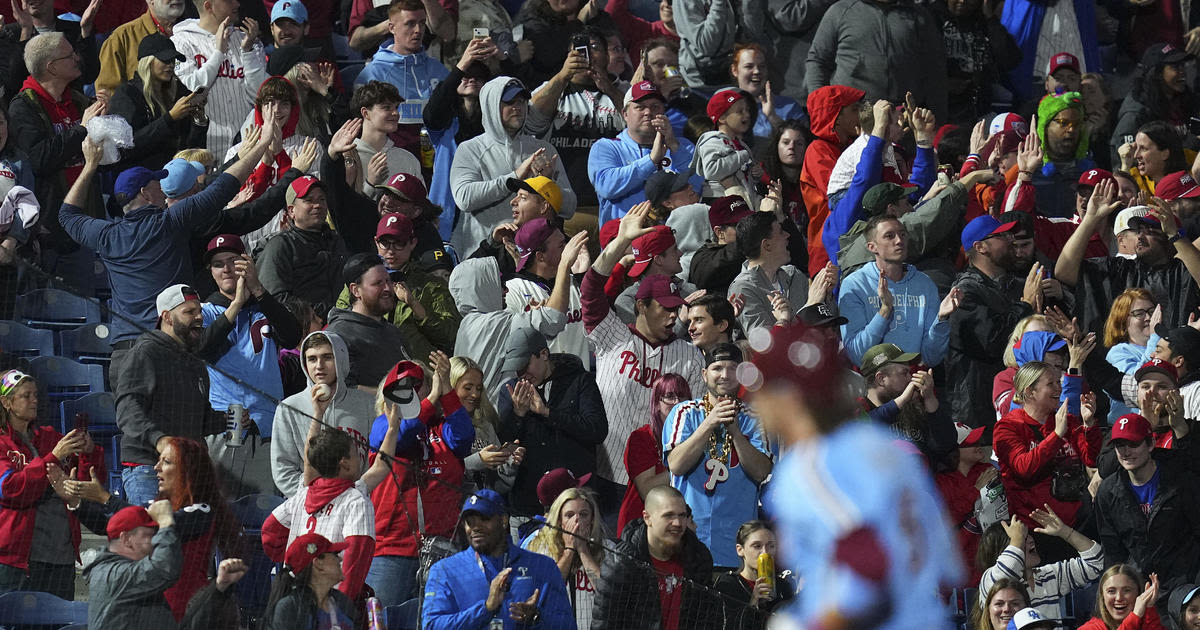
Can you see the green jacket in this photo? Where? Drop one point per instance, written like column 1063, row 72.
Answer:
column 928, row 227
column 440, row 326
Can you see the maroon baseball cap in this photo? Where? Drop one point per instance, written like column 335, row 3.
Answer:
column 649, row 245
column 224, row 243
column 308, row 547
column 728, row 210
column 643, row 90
column 1131, row 427
column 408, row 186
column 662, row 288
column 395, row 225
column 799, row 356
column 1094, row 176
column 1064, row 60
column 554, row 482
column 1178, row 185
column 1160, row 367
column 128, row 519
column 530, row 237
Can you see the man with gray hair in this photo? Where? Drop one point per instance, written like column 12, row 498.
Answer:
column 34, row 17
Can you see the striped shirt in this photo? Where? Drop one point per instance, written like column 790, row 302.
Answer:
column 1050, row 581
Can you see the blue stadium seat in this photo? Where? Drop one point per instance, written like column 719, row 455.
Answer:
column 62, row 379
column 402, row 617
column 254, row 589
column 55, row 309
column 100, row 407
column 33, row 608
column 89, row 344
column 22, row 341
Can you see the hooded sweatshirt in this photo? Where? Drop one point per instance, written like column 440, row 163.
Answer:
column 351, row 410
column 484, row 164
column 414, row 75
column 824, row 105
column 483, row 333
column 914, row 325
column 1033, row 346
column 375, row 345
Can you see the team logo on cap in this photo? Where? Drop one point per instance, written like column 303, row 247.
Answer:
column 1092, row 173
column 399, row 177
column 474, row 499
column 390, row 221
column 220, row 241
column 311, row 548
column 636, row 252
column 674, row 288
column 286, row 6
column 731, row 98
column 1122, row 422
column 1186, row 179
column 1167, row 48
column 879, row 359
column 1063, row 59
column 645, row 85
column 824, row 310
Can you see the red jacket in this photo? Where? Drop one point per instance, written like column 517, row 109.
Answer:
column 1029, row 452
column 1132, row 622
column 960, row 495
column 822, row 153
column 23, row 483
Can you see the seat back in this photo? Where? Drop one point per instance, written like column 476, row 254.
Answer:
column 34, row 608
column 55, row 309
column 22, row 341
column 402, row 617
column 91, row 343
column 101, row 408
column 254, row 589
column 63, row 379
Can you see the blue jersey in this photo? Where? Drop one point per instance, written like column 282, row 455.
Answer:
column 722, row 496
column 856, row 479
column 253, row 360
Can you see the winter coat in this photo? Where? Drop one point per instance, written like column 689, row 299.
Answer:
column 822, row 153
column 156, row 137
column 127, row 594
column 303, row 263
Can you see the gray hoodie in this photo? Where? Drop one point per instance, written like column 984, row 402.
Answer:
column 475, row 285
column 127, row 594
column 352, row 411
column 482, row 167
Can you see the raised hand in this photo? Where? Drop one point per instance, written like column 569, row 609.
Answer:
column 1079, row 348
column 88, row 19
column 250, row 27
column 950, row 303
column 1029, row 154
column 222, row 36
column 1049, row 523
column 229, row 572
column 343, row 139
column 1104, row 199
column 574, row 247
column 70, row 444
column 1032, row 293
column 307, row 156
column 979, row 136
column 781, row 308
column 526, row 168
column 886, row 302
column 1087, row 409
column 631, row 224
column 1016, row 531
column 1148, row 597
column 525, row 612
column 1062, row 420
column 377, row 169
column 820, row 290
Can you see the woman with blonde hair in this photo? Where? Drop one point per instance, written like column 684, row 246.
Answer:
column 1130, row 337
column 490, row 464
column 1001, row 602
column 574, row 537
column 1123, row 602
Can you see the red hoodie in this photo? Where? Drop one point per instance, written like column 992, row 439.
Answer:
column 960, row 495
column 265, row 174
column 824, row 105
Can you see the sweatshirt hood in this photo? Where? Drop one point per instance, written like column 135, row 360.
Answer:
column 289, row 127
column 1175, row 603
column 322, row 491
column 191, row 26
column 1033, row 346
column 341, row 361
column 825, row 104
column 476, row 287
column 489, row 105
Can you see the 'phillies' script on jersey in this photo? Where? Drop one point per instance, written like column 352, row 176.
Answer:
column 225, row 70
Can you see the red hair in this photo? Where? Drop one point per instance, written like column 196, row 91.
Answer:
column 198, row 483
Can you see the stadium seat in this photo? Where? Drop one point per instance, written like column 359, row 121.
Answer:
column 100, row 407
column 75, row 626
column 89, row 344
column 34, row 608
column 63, row 379
column 254, row 589
column 402, row 617
column 22, row 341
column 55, row 309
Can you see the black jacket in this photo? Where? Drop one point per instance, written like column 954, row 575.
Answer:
column 714, row 267
column 375, row 345
column 736, row 592
column 303, row 263
column 156, row 139
column 568, row 438
column 13, row 63
column 298, row 610
column 979, row 330
column 1167, row 541
column 627, row 592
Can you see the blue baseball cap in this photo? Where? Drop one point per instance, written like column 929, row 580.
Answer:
column 132, row 180
column 181, row 176
column 484, row 502
column 290, row 9
column 982, row 227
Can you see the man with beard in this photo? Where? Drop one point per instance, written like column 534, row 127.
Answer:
column 118, row 54
column 1166, row 264
column 905, row 400
column 985, row 316
column 717, row 454
column 1060, row 121
column 516, row 588
column 375, row 344
column 163, row 391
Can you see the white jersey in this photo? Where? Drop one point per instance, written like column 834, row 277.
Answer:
column 232, row 78
column 573, row 339
column 350, row 514
column 627, row 366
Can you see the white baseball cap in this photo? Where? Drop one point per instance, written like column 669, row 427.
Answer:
column 173, row 296
column 1027, row 618
column 1121, row 223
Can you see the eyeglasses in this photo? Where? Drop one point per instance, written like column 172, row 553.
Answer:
column 1141, row 313
column 391, row 244
column 1066, row 125
column 1005, row 236
column 670, row 399
column 70, row 56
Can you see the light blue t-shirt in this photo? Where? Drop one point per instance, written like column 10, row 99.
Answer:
column 253, row 359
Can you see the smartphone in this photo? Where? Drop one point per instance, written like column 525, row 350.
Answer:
column 1194, row 126
column 81, row 422
column 480, row 33
column 582, row 43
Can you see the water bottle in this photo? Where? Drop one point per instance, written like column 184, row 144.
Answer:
column 234, row 429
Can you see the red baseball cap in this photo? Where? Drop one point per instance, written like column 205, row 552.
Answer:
column 224, row 243
column 1160, row 367
column 300, row 187
column 609, row 231
column 721, row 102
column 969, row 436
column 1094, row 176
column 1177, row 185
column 308, row 547
column 663, row 289
column 1131, row 427
column 395, row 225
column 643, row 90
column 1009, row 122
column 1064, row 60
column 128, row 519
column 649, row 245
column 728, row 210
column 554, row 482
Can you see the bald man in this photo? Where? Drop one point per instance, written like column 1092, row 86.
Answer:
column 658, row 572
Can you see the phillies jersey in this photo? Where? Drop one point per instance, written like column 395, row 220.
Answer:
column 722, row 496
column 349, row 514
column 232, row 78
column 852, row 485
column 252, row 361
column 524, row 289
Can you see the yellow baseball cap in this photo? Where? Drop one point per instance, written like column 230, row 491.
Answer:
column 542, row 186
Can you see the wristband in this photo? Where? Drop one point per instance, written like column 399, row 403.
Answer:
column 1177, row 237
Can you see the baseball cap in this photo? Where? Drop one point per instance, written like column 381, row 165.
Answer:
column 541, row 186
column 1184, row 341
column 512, row 90
column 801, row 357
column 881, row 354
column 819, row 315
column 982, row 227
column 663, row 184
column 1094, row 176
column 395, row 225
column 663, row 289
column 1025, row 225
column 484, row 502
column 1146, row 220
column 357, row 265
column 609, row 231
column 554, row 482
column 132, row 180
column 522, row 343
column 1191, row 591
column 434, row 259
column 400, row 386
column 1064, row 60
column 1131, row 427
column 1177, row 185
column 290, row 9
column 641, row 91
column 1161, row 54
column 160, row 47
column 128, row 519
column 408, row 187
column 308, row 547
column 530, row 237
column 649, row 245
column 1158, row 366
column 969, row 436
column 880, row 196
column 300, row 188
column 173, row 296
column 1124, row 217
column 723, row 351
column 224, row 243
column 728, row 210
column 721, row 102
column 1028, row 618
column 181, row 177
column 1009, row 122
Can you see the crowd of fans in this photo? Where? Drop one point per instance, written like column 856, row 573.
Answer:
column 555, row 313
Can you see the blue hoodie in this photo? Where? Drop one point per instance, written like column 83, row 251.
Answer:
column 1033, row 346
column 414, row 75
column 619, row 167
column 914, row 325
